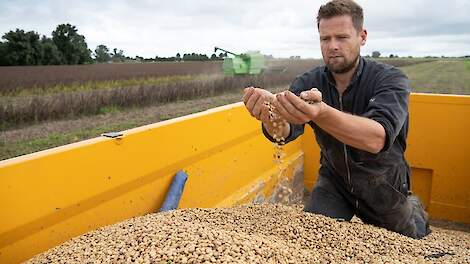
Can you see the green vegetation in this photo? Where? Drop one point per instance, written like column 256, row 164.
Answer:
column 13, row 149
column 467, row 64
column 28, row 48
column 441, row 76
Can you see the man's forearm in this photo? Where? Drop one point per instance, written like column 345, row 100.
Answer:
column 356, row 131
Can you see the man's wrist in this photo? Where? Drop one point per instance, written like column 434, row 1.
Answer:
column 322, row 112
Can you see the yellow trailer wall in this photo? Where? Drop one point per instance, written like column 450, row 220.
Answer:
column 50, row 196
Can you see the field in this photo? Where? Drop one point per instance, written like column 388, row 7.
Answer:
column 32, row 77
column 46, row 106
column 442, row 76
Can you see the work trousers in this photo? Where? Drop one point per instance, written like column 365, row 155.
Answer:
column 329, row 198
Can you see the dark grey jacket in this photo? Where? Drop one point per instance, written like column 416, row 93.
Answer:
column 379, row 182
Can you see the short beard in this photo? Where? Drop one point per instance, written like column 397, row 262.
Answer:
column 344, row 67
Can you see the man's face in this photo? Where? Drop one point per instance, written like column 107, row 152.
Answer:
column 340, row 43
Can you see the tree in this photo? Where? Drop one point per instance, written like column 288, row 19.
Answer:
column 71, row 44
column 21, row 48
column 213, row 56
column 178, row 56
column 375, row 54
column 102, row 53
column 222, row 55
column 3, row 53
column 118, row 55
column 203, row 57
column 50, row 54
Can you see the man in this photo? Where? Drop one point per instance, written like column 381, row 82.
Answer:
column 359, row 112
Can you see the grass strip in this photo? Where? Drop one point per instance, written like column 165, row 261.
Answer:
column 9, row 150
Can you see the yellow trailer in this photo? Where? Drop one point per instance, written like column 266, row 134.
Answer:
column 51, row 196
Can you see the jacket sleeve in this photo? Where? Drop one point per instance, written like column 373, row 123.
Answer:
column 297, row 86
column 389, row 104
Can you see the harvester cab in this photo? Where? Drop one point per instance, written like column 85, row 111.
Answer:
column 251, row 62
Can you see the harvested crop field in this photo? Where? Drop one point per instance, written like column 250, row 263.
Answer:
column 254, row 234
column 30, row 77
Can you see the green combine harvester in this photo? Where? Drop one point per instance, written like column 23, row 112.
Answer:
column 243, row 64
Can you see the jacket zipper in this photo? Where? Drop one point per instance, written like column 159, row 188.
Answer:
column 346, row 153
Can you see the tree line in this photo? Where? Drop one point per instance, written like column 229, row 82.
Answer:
column 28, row 48
column 67, row 46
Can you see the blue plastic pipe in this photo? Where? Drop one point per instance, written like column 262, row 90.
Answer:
column 173, row 195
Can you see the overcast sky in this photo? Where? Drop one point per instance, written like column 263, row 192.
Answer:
column 278, row 27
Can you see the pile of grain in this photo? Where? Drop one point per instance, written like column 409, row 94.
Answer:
column 254, row 234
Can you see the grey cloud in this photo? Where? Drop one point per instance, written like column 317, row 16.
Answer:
column 281, row 28
column 418, row 17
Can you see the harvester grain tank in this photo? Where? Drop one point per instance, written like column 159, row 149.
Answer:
column 251, row 62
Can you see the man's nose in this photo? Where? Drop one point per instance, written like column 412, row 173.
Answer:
column 333, row 45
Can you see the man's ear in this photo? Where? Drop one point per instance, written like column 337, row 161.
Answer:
column 363, row 37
